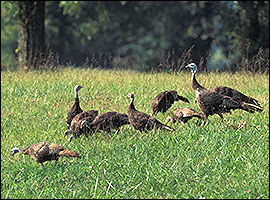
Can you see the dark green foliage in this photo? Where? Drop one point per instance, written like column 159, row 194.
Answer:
column 147, row 35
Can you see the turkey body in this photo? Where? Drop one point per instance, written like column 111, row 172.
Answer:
column 107, row 122
column 185, row 114
column 235, row 95
column 164, row 100
column 45, row 151
column 142, row 121
column 214, row 103
column 76, row 128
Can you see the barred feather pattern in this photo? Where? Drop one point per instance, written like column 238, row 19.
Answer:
column 45, row 151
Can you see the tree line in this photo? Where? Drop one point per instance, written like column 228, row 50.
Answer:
column 144, row 35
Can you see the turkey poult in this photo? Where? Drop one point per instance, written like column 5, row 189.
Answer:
column 76, row 127
column 75, row 109
column 211, row 102
column 164, row 100
column 236, row 95
column 184, row 115
column 107, row 122
column 142, row 121
column 45, row 151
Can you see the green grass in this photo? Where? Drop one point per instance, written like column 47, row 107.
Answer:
column 220, row 160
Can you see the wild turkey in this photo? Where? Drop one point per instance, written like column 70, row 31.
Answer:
column 45, row 151
column 211, row 102
column 104, row 122
column 76, row 123
column 164, row 100
column 184, row 115
column 236, row 95
column 75, row 109
column 142, row 121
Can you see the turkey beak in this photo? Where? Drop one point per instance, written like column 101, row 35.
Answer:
column 187, row 67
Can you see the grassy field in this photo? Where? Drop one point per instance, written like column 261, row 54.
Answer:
column 220, row 160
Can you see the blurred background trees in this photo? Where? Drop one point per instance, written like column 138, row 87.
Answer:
column 148, row 35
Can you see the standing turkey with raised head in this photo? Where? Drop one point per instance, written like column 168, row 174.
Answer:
column 211, row 102
column 75, row 108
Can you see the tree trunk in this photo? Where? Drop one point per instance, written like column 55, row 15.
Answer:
column 32, row 34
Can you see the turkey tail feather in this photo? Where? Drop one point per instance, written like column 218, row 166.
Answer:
column 256, row 102
column 69, row 153
column 251, row 107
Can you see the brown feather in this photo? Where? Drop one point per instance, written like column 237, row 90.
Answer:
column 45, row 151
column 164, row 100
column 107, row 122
column 211, row 102
column 185, row 114
column 76, row 124
column 235, row 95
column 142, row 121
column 75, row 108
column 69, row 153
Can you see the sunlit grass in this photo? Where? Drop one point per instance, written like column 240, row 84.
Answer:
column 220, row 160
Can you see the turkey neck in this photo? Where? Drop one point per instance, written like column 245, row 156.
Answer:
column 195, row 84
column 131, row 105
column 76, row 96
